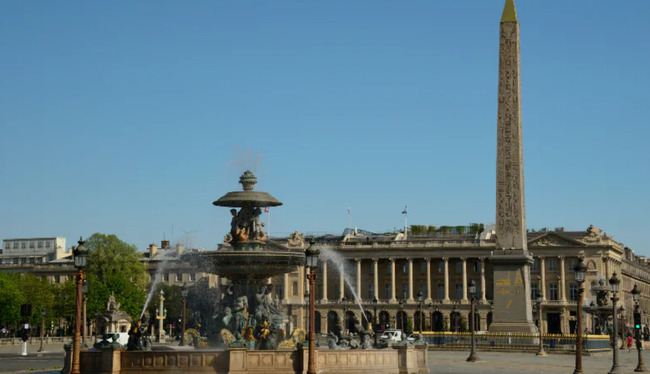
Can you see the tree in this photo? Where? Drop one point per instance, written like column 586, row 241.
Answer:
column 114, row 266
column 38, row 292
column 10, row 299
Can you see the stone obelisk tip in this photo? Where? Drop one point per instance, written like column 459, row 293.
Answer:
column 509, row 12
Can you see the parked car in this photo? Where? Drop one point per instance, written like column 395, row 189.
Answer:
column 391, row 336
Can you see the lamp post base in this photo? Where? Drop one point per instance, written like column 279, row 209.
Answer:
column 615, row 370
column 640, row 369
column 472, row 357
column 541, row 352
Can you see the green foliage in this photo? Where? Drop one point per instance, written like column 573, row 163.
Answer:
column 114, row 267
column 39, row 293
column 418, row 229
column 10, row 298
column 462, row 325
column 17, row 289
column 201, row 302
column 65, row 300
column 408, row 327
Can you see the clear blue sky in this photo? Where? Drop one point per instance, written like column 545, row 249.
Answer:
column 131, row 117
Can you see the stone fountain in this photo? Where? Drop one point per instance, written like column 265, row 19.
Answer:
column 247, row 314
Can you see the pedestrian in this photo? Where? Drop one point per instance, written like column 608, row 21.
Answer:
column 629, row 342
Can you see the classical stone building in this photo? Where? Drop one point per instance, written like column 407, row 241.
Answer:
column 440, row 267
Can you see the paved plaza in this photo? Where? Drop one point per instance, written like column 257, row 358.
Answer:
column 443, row 362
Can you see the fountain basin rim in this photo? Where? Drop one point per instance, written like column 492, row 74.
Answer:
column 238, row 199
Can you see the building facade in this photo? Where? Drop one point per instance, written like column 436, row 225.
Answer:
column 32, row 250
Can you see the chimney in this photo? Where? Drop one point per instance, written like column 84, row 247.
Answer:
column 179, row 249
column 164, row 244
column 153, row 250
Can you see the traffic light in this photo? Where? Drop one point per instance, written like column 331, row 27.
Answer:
column 637, row 320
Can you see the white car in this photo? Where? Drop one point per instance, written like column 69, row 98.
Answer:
column 391, row 336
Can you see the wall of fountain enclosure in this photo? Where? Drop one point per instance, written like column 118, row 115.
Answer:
column 398, row 360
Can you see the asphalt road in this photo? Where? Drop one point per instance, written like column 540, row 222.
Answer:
column 443, row 362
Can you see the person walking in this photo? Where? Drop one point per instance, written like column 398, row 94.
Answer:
column 629, row 342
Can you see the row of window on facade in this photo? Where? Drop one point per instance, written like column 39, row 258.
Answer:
column 22, row 260
column 475, row 266
column 179, row 277
column 23, row 245
column 551, row 264
column 553, row 291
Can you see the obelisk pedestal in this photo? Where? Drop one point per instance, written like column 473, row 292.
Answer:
column 510, row 260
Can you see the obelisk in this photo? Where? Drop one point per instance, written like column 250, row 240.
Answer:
column 510, row 260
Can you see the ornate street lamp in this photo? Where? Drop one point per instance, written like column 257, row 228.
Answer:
column 374, row 305
column 472, row 293
column 311, row 261
column 613, row 284
column 184, row 292
column 401, row 315
column 43, row 312
column 636, row 296
column 540, row 299
column 80, row 255
column 420, row 299
column 580, row 272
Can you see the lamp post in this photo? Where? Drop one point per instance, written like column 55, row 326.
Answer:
column 184, row 293
column 401, row 315
column 636, row 296
column 431, row 316
column 621, row 310
column 311, row 261
column 84, row 329
column 374, row 306
column 80, row 254
column 472, row 292
column 613, row 284
column 541, row 351
column 580, row 272
column 420, row 299
column 43, row 312
column 455, row 316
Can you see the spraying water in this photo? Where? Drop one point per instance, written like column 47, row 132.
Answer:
column 333, row 257
column 163, row 254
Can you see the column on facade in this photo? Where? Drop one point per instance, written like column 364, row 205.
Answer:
column 483, row 297
column 446, row 260
column 301, row 284
column 410, row 260
column 341, row 280
column 358, row 260
column 375, row 264
column 392, row 280
column 542, row 271
column 285, row 288
column 464, row 278
column 562, row 280
column 428, row 260
column 324, row 281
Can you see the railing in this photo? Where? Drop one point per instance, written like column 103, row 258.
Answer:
column 515, row 341
column 36, row 340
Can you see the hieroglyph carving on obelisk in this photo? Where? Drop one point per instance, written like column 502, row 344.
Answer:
column 510, row 209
